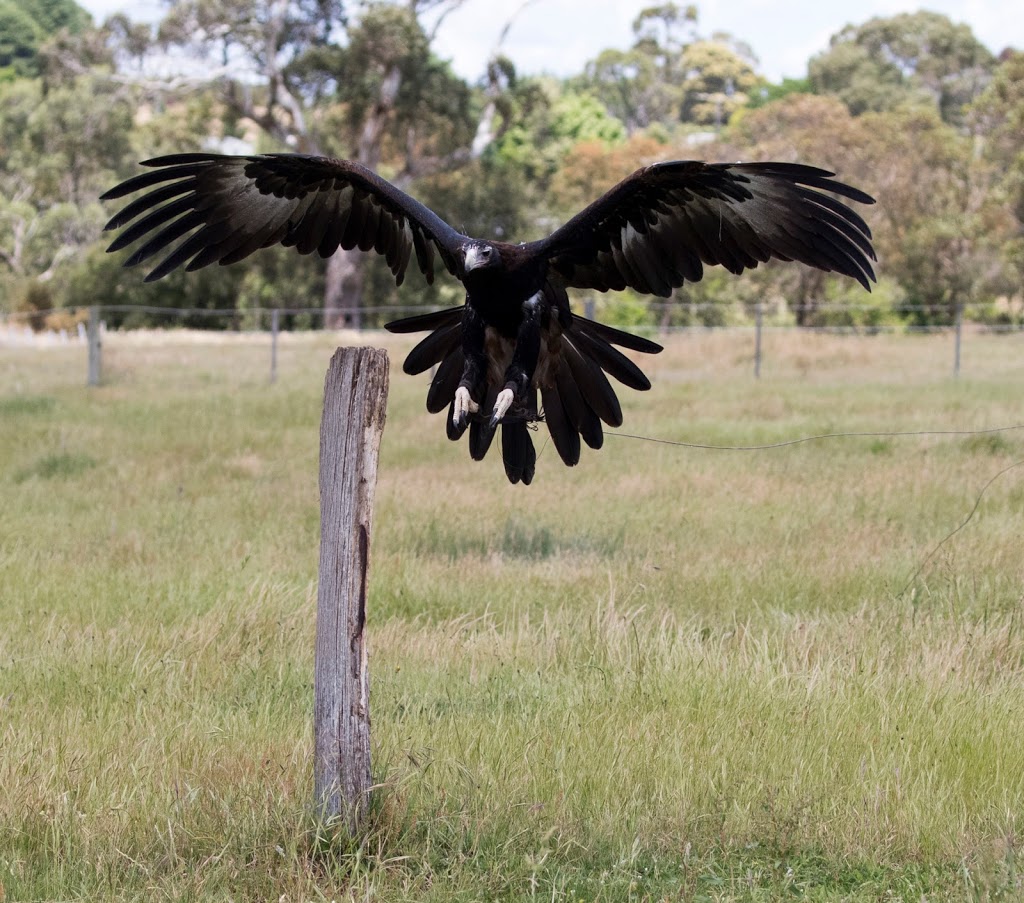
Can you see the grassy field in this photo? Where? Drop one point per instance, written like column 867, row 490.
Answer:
column 667, row 673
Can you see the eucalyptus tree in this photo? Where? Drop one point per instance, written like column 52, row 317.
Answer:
column 921, row 58
column 317, row 78
column 672, row 75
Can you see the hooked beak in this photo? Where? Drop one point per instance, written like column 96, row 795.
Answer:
column 474, row 258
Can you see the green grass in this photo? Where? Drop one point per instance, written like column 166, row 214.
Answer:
column 665, row 674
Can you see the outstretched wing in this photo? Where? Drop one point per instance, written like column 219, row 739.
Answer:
column 656, row 229
column 210, row 208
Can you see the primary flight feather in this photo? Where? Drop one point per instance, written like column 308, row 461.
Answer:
column 515, row 337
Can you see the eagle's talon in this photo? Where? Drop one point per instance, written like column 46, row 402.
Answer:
column 501, row 406
column 464, row 406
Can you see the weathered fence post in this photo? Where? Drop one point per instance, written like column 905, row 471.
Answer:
column 275, row 328
column 95, row 364
column 758, row 325
column 355, row 397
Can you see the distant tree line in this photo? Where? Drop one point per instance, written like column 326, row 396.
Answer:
column 913, row 108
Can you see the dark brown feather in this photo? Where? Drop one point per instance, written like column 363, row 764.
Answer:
column 439, row 344
column 613, row 362
column 564, row 435
column 518, row 453
column 238, row 205
column 422, row 322
column 580, row 414
column 445, row 382
column 592, row 383
column 733, row 215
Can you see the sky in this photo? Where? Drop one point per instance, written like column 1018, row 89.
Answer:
column 559, row 36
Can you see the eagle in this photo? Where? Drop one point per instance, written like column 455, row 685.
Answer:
column 514, row 353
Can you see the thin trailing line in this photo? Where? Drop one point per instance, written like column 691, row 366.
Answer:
column 935, row 550
column 818, row 438
column 957, row 529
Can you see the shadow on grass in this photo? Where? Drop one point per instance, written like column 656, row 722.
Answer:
column 516, row 540
column 59, row 466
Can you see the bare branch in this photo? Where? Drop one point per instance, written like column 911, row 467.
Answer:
column 14, row 257
column 451, row 7
column 485, row 132
column 64, row 252
column 503, row 34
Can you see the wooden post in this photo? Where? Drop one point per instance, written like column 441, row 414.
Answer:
column 95, row 347
column 275, row 328
column 355, row 397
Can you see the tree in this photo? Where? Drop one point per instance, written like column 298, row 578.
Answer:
column 934, row 221
column 26, row 24
column 768, row 92
column 62, row 146
column 808, row 129
column 642, row 85
column 718, row 82
column 315, row 81
column 936, row 203
column 670, row 76
column 913, row 58
column 997, row 120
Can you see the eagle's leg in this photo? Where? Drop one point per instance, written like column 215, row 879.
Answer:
column 474, row 372
column 519, row 374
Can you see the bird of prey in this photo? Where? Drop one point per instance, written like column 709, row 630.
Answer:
column 515, row 338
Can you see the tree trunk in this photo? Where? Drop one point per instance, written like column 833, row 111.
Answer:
column 810, row 288
column 343, row 283
column 343, row 290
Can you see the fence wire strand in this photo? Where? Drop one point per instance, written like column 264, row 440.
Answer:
column 820, row 437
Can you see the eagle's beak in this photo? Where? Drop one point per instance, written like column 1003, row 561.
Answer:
column 474, row 258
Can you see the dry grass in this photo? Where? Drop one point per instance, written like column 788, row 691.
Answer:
column 665, row 674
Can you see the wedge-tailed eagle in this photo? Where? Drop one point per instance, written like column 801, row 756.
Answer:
column 515, row 338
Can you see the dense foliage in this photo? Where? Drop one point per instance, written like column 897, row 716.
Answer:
column 912, row 108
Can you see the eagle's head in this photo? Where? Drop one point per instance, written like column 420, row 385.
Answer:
column 479, row 255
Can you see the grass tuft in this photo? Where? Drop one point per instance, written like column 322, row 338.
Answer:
column 58, row 466
column 18, row 405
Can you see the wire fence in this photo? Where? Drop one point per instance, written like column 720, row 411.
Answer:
column 88, row 327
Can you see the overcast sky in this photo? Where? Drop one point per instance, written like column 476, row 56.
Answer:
column 559, row 36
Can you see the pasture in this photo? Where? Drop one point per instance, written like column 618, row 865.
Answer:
column 666, row 674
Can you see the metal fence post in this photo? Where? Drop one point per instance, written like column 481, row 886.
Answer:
column 958, row 339
column 275, row 326
column 758, row 323
column 95, row 346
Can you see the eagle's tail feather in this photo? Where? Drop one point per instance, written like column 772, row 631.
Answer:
column 580, row 414
column 612, row 361
column 564, row 434
column 517, row 452
column 423, row 322
column 445, row 381
column 614, row 336
column 592, row 383
column 433, row 349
